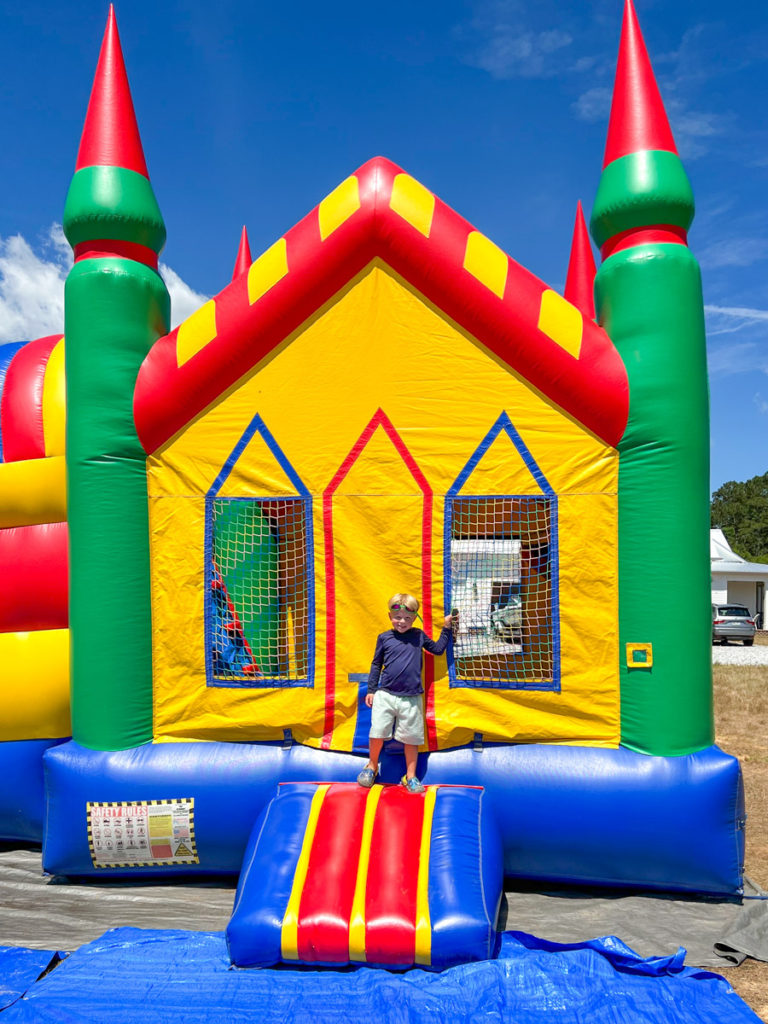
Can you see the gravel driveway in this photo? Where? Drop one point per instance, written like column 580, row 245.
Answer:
column 737, row 654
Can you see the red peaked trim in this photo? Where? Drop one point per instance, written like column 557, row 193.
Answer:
column 110, row 134
column 638, row 120
column 593, row 388
column 243, row 261
column 580, row 282
column 380, row 419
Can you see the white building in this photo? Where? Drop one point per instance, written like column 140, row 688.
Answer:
column 734, row 580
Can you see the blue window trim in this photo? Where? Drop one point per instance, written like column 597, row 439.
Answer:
column 504, row 423
column 257, row 426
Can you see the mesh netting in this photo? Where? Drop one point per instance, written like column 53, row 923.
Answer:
column 259, row 590
column 501, row 587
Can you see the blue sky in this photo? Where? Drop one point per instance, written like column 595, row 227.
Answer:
column 250, row 113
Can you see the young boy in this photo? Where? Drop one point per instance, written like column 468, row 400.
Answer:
column 394, row 688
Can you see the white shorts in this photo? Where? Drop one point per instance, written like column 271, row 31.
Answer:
column 402, row 711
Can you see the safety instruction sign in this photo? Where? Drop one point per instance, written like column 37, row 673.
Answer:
column 146, row 833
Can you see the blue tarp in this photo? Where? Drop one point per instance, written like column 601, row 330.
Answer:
column 146, row 976
column 19, row 970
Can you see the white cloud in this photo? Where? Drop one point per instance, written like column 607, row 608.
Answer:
column 743, row 358
column 593, row 105
column 506, row 44
column 761, row 403
column 694, row 129
column 184, row 300
column 748, row 356
column 734, row 316
column 32, row 287
column 733, row 252
column 514, row 53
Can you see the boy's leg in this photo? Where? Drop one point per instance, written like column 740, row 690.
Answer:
column 382, row 720
column 374, row 752
column 411, row 756
column 410, row 731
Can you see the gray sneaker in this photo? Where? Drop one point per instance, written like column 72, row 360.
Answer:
column 366, row 778
column 412, row 785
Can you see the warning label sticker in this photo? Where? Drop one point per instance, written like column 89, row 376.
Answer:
column 142, row 833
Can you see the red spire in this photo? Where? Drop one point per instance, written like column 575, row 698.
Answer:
column 638, row 119
column 243, row 261
column 580, row 282
column 110, row 134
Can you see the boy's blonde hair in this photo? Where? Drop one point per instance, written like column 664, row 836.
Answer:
column 408, row 600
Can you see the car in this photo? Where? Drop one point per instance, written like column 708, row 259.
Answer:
column 732, row 622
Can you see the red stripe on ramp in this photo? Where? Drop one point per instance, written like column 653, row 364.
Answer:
column 326, row 901
column 393, row 873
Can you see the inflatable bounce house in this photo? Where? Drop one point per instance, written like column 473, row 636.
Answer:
column 382, row 401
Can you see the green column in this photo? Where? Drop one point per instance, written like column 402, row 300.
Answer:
column 649, row 300
column 115, row 308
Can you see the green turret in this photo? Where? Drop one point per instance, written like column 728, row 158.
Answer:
column 116, row 306
column 648, row 298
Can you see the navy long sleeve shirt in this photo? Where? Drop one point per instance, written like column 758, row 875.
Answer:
column 396, row 665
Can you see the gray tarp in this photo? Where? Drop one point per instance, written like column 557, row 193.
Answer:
column 44, row 913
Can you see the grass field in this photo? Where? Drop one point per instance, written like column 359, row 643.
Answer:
column 741, row 728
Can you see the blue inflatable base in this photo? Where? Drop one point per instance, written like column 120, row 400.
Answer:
column 151, row 976
column 577, row 815
column 22, row 795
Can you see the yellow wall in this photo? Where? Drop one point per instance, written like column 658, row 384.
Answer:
column 381, row 346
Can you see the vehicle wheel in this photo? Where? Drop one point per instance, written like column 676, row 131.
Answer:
column 748, row 643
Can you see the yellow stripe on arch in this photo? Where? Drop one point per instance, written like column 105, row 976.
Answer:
column 357, row 914
column 413, row 202
column 338, row 207
column 196, row 332
column 423, row 953
column 289, row 936
column 54, row 401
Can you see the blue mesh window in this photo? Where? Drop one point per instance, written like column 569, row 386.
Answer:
column 259, row 592
column 503, row 566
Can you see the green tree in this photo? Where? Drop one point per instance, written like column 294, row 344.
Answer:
column 740, row 510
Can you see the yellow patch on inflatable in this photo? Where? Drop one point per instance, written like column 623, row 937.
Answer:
column 338, row 207
column 413, row 202
column 487, row 262
column 34, row 491
column 267, row 270
column 561, row 322
column 195, row 332
column 34, row 688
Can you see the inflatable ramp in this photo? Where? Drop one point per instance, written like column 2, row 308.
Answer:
column 336, row 874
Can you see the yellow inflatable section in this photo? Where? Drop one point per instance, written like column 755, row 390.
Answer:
column 34, row 684
column 382, row 469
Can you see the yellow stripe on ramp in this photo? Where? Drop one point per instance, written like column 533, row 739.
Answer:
column 357, row 915
column 423, row 923
column 289, row 936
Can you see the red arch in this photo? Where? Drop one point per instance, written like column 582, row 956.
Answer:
column 380, row 419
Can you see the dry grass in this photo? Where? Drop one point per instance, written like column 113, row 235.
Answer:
column 741, row 725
